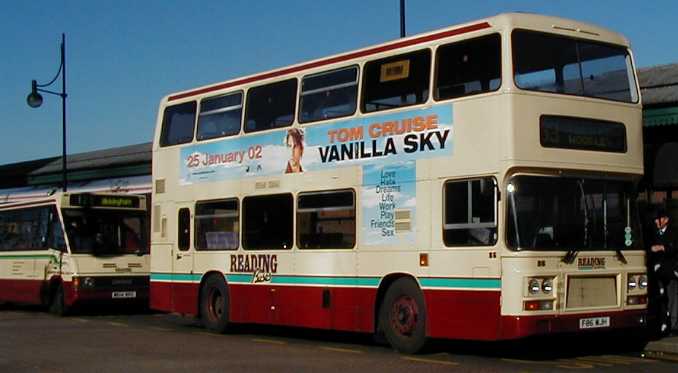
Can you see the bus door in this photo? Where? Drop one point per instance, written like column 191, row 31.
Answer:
column 183, row 292
column 53, row 263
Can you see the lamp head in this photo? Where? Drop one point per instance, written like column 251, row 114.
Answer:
column 34, row 98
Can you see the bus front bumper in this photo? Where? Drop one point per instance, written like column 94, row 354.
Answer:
column 107, row 289
column 513, row 327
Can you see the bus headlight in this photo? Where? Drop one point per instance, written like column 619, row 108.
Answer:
column 547, row 286
column 636, row 281
column 632, row 282
column 534, row 287
column 87, row 282
column 642, row 282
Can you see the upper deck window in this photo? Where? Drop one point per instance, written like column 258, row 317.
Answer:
column 468, row 67
column 270, row 106
column 396, row 81
column 220, row 116
column 177, row 124
column 551, row 63
column 328, row 95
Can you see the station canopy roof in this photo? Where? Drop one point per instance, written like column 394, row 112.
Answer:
column 659, row 88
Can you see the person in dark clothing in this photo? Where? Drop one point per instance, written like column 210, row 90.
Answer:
column 663, row 265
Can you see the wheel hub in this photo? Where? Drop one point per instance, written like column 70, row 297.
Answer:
column 215, row 304
column 404, row 315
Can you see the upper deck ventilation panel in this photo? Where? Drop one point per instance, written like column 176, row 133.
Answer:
column 572, row 29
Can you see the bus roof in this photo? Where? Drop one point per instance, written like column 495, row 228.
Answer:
column 505, row 21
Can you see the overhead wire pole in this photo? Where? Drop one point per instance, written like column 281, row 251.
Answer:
column 402, row 18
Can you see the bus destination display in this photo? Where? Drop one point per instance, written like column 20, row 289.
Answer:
column 582, row 134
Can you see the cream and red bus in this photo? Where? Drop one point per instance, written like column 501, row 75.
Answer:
column 475, row 182
column 72, row 249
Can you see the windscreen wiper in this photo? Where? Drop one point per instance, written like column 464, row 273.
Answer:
column 569, row 257
column 621, row 256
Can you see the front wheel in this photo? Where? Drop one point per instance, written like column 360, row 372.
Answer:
column 57, row 305
column 214, row 305
column 402, row 316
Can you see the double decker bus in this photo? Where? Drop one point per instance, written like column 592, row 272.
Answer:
column 72, row 249
column 475, row 182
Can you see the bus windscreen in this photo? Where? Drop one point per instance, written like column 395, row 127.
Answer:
column 105, row 232
column 553, row 213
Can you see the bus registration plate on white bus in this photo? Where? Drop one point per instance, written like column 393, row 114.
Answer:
column 124, row 294
column 594, row 322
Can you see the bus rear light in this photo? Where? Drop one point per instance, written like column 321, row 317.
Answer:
column 538, row 305
column 635, row 300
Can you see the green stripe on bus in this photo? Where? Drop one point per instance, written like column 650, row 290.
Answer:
column 238, row 278
column 427, row 282
column 28, row 256
column 175, row 277
column 472, row 283
column 332, row 281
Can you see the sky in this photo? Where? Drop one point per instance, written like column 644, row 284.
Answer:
column 123, row 56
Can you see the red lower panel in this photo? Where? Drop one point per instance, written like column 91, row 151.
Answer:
column 161, row 296
column 463, row 314
column 513, row 327
column 452, row 314
column 185, row 298
column 350, row 309
column 174, row 297
column 21, row 291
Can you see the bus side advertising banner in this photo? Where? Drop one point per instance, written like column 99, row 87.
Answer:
column 389, row 202
column 398, row 137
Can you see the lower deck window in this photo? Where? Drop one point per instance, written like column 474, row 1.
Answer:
column 326, row 220
column 470, row 212
column 216, row 225
column 267, row 222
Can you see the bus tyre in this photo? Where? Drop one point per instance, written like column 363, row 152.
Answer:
column 402, row 316
column 56, row 305
column 214, row 304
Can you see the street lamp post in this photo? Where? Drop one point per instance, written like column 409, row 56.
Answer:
column 34, row 100
column 402, row 18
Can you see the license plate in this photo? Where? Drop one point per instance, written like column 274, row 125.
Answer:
column 124, row 294
column 594, row 322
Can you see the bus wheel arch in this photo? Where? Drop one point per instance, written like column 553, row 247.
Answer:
column 214, row 302
column 401, row 313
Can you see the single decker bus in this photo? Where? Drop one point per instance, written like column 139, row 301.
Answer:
column 72, row 249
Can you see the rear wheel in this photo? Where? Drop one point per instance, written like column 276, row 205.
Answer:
column 214, row 304
column 57, row 305
column 402, row 316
